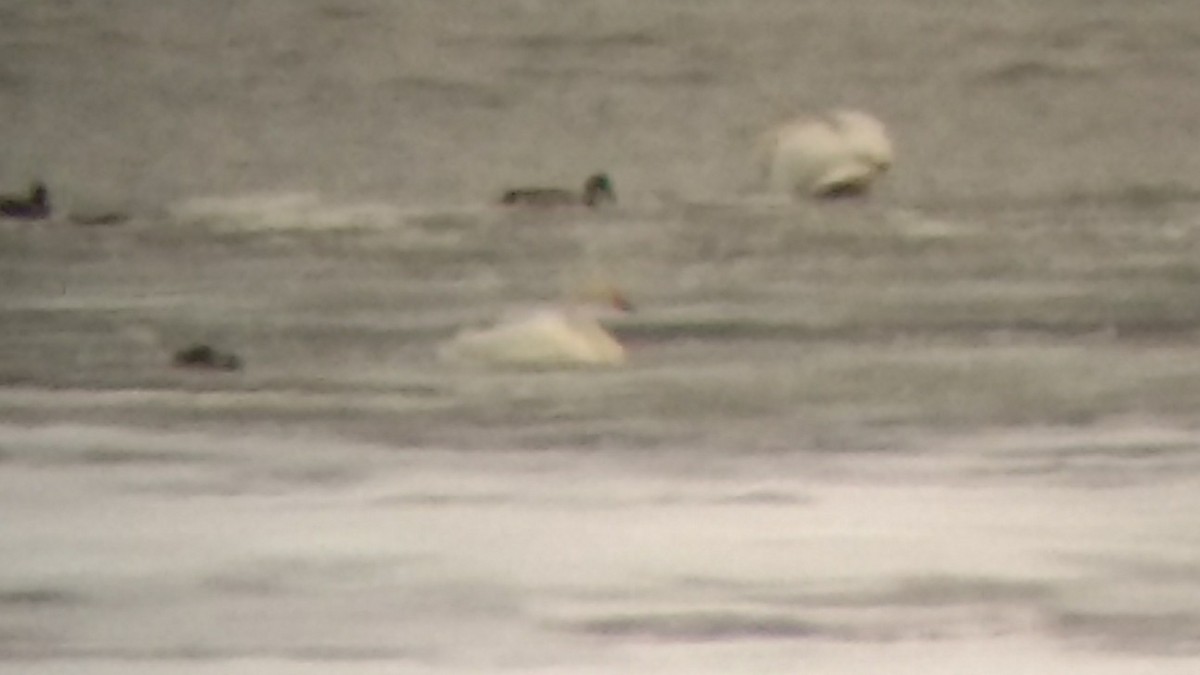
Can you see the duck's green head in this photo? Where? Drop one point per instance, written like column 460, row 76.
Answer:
column 598, row 189
column 39, row 195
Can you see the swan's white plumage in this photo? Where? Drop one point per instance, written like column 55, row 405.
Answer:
column 547, row 337
column 841, row 152
column 543, row 338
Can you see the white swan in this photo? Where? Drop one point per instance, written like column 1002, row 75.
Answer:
column 546, row 337
column 833, row 155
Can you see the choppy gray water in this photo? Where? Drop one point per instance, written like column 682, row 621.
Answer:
column 950, row 429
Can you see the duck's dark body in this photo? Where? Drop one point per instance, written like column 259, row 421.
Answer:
column 596, row 190
column 34, row 207
column 541, row 197
column 205, row 357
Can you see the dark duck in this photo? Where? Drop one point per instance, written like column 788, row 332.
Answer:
column 205, row 357
column 597, row 190
column 36, row 206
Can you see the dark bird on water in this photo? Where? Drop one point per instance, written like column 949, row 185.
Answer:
column 597, row 190
column 35, row 206
column 206, row 357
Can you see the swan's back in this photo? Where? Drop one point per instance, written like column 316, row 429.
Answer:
column 866, row 137
column 542, row 338
column 839, row 153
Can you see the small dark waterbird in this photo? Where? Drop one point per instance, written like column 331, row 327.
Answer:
column 35, row 206
column 206, row 357
column 597, row 190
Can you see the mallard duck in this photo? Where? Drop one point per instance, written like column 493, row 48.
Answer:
column 205, row 357
column 597, row 189
column 839, row 154
column 564, row 335
column 34, row 207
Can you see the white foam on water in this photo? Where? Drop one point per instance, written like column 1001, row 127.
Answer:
column 159, row 550
column 284, row 211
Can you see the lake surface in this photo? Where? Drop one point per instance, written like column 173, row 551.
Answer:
column 950, row 428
